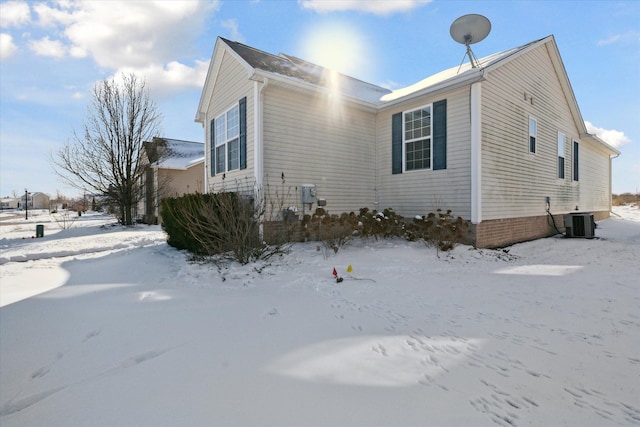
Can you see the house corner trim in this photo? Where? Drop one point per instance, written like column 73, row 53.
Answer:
column 476, row 152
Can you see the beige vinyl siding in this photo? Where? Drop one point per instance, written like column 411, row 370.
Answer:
column 231, row 85
column 423, row 191
column 516, row 182
column 593, row 184
column 181, row 182
column 315, row 139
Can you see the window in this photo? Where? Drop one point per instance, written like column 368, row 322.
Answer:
column 417, row 139
column 560, row 155
column 576, row 150
column 228, row 139
column 533, row 134
column 227, row 132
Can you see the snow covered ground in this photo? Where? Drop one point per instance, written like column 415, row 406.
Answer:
column 106, row 326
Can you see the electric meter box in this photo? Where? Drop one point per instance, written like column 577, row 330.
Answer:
column 308, row 193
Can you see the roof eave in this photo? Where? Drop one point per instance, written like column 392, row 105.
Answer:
column 597, row 140
column 174, row 168
column 300, row 84
column 456, row 82
column 213, row 71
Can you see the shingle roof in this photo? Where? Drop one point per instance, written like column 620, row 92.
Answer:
column 299, row 69
column 455, row 73
column 304, row 71
column 179, row 154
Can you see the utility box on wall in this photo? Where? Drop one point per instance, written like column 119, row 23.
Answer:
column 308, row 194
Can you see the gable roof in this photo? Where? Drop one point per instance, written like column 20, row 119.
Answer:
column 176, row 154
column 456, row 76
column 292, row 70
column 297, row 71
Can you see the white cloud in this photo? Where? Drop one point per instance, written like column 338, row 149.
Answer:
column 48, row 47
column 7, row 48
column 14, row 13
column 162, row 80
column 629, row 36
column 232, row 26
column 609, row 40
column 612, row 137
column 377, row 7
column 145, row 37
column 51, row 16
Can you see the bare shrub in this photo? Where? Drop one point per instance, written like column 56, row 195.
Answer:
column 625, row 199
column 280, row 214
column 64, row 219
column 224, row 225
column 335, row 231
column 442, row 230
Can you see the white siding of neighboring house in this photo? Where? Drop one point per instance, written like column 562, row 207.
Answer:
column 515, row 182
column 420, row 192
column 315, row 139
column 231, row 85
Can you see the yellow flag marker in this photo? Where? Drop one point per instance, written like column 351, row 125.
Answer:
column 349, row 269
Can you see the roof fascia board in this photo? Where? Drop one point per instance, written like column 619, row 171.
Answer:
column 442, row 87
column 518, row 52
column 220, row 49
column 597, row 140
column 556, row 60
column 157, row 166
column 208, row 85
column 561, row 72
column 275, row 78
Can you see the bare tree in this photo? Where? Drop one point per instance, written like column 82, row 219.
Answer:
column 107, row 158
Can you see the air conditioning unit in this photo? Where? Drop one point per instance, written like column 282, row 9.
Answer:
column 580, row 225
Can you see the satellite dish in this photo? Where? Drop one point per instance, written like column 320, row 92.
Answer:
column 470, row 29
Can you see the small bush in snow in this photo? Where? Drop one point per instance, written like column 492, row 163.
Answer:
column 224, row 225
column 383, row 224
column 334, row 231
column 440, row 229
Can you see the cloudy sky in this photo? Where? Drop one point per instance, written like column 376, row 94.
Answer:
column 53, row 52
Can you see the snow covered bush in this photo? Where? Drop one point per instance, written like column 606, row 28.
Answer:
column 440, row 229
column 383, row 224
column 335, row 231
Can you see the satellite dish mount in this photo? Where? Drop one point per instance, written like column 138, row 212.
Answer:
column 470, row 29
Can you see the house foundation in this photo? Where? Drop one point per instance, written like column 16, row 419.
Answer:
column 499, row 233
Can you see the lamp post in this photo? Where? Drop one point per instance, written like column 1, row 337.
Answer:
column 26, row 204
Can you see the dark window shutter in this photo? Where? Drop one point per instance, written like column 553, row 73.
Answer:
column 396, row 143
column 440, row 135
column 576, row 149
column 242, row 107
column 212, row 139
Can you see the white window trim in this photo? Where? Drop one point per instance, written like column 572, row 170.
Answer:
column 223, row 118
column 562, row 154
column 534, row 135
column 405, row 142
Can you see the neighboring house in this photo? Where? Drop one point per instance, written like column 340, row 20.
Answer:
column 490, row 143
column 175, row 168
column 35, row 200
column 9, row 203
